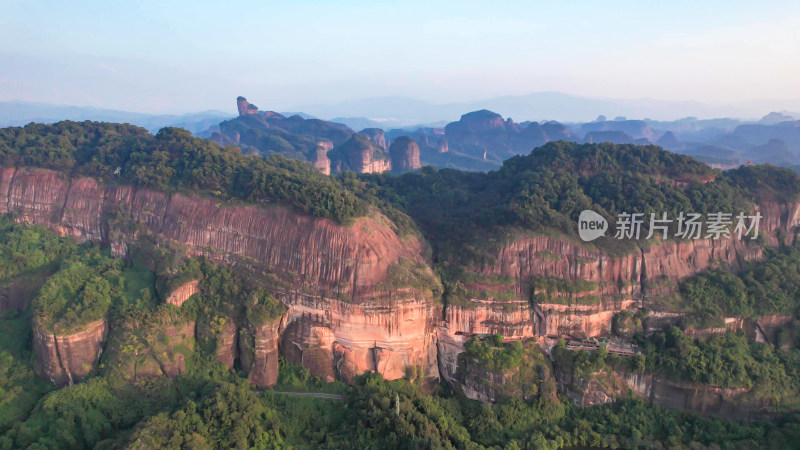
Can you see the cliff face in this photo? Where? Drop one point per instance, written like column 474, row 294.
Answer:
column 511, row 319
column 365, row 328
column 68, row 359
column 245, row 107
column 339, row 340
column 334, row 259
column 404, row 154
column 359, row 154
column 376, row 135
column 263, row 371
column 340, row 321
column 182, row 293
column 622, row 282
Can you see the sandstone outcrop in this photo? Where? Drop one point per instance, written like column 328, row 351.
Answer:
column 245, row 107
column 335, row 271
column 376, row 135
column 339, row 340
column 261, row 362
column 67, row 359
column 613, row 283
column 321, row 161
column 178, row 296
column 333, row 259
column 359, row 154
column 511, row 319
column 404, row 154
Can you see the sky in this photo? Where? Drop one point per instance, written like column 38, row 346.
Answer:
column 188, row 56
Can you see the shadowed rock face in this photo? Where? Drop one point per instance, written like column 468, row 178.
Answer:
column 227, row 349
column 264, row 370
column 68, row 359
column 404, row 154
column 605, row 387
column 485, row 132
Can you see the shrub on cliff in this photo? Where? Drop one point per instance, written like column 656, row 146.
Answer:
column 263, row 308
column 769, row 286
column 79, row 293
column 728, row 360
column 29, row 248
column 406, row 273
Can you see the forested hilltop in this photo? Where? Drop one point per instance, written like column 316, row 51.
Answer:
column 545, row 191
column 174, row 160
column 134, row 338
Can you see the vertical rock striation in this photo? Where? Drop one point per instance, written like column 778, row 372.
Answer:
column 67, row 359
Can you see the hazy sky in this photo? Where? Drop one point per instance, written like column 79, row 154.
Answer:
column 195, row 55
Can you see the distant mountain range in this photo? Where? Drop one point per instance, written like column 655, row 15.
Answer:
column 21, row 113
column 479, row 140
column 542, row 106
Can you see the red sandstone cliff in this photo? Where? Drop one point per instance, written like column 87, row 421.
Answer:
column 339, row 340
column 645, row 275
column 337, row 260
column 263, row 371
column 68, row 359
column 245, row 107
column 339, row 269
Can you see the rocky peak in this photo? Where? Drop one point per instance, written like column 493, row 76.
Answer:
column 360, row 155
column 556, row 131
column 482, row 120
column 670, row 142
column 775, row 117
column 376, row 135
column 404, row 154
column 245, row 107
